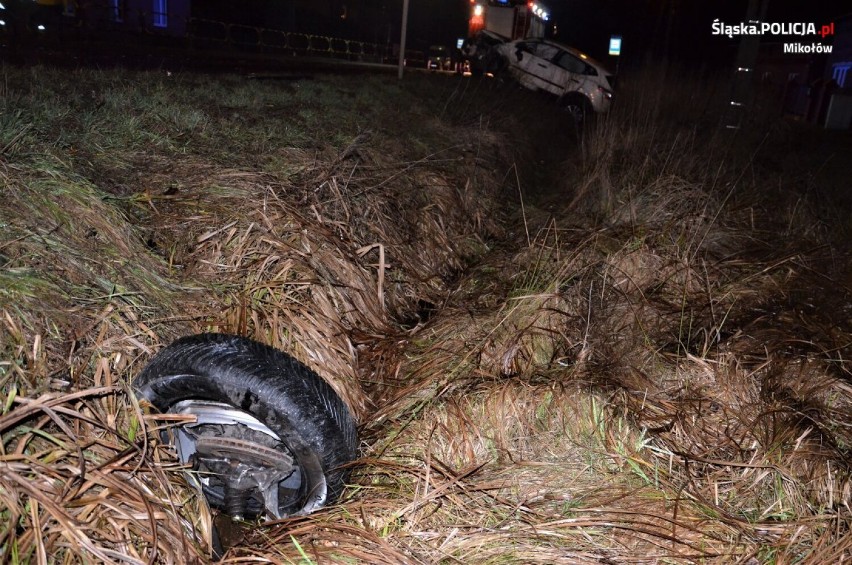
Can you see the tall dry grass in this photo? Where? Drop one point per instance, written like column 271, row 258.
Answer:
column 648, row 362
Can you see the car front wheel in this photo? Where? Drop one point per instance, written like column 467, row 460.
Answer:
column 578, row 108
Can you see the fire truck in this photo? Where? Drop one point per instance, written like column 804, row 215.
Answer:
column 512, row 19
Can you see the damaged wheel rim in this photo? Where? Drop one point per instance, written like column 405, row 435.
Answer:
column 241, row 466
column 266, row 436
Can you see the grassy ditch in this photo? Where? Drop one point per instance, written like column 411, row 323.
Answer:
column 628, row 344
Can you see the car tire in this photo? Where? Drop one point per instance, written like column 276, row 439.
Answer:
column 578, row 108
column 260, row 414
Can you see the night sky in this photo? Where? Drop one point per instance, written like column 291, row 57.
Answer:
column 436, row 21
column 644, row 24
column 679, row 28
column 675, row 30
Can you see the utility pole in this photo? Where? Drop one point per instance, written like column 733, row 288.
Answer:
column 402, row 37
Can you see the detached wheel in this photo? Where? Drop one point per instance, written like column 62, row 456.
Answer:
column 270, row 437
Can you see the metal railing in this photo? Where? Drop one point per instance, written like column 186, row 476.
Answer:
column 203, row 32
column 99, row 26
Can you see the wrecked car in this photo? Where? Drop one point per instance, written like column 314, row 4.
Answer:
column 582, row 85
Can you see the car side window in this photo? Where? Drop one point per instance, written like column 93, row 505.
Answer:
column 546, row 52
column 527, row 47
column 572, row 64
column 524, row 47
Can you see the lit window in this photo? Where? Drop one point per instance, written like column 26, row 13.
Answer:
column 160, row 13
column 839, row 73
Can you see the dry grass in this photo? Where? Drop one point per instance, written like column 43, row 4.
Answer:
column 649, row 365
column 78, row 476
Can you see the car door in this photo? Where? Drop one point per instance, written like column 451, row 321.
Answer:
column 543, row 68
column 571, row 73
column 535, row 70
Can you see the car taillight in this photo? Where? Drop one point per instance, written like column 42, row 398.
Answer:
column 604, row 92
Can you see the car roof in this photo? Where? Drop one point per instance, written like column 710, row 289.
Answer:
column 573, row 50
column 493, row 34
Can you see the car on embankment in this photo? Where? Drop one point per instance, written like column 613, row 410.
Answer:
column 582, row 85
